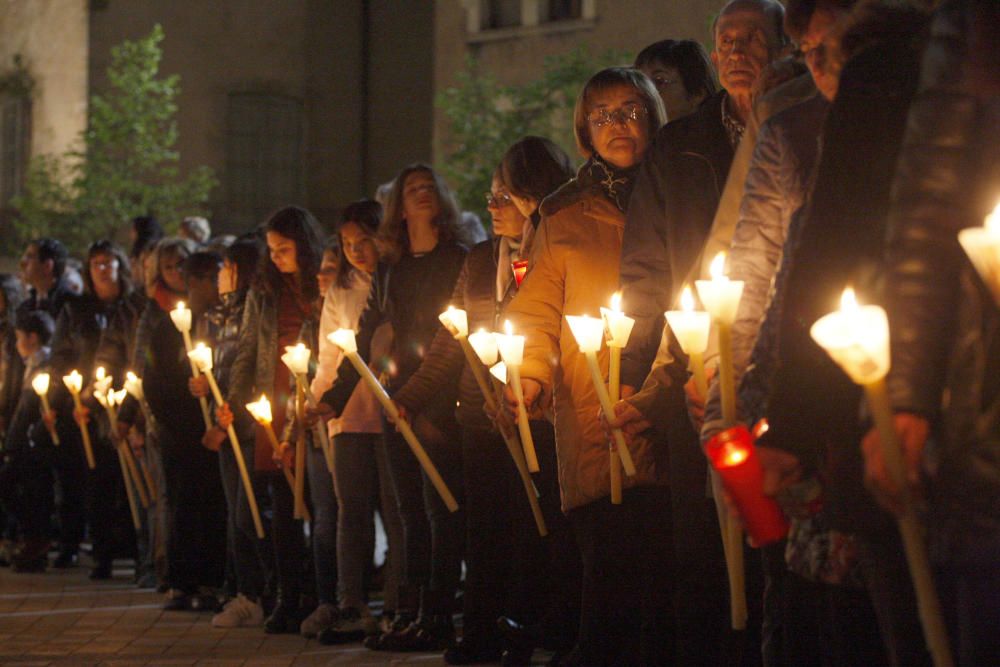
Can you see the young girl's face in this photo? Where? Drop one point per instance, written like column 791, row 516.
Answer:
column 282, row 252
column 420, row 196
column 358, row 247
column 170, row 272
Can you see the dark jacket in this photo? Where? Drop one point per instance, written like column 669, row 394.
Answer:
column 410, row 294
column 945, row 324
column 669, row 216
column 27, row 430
column 813, row 406
column 116, row 350
column 475, row 292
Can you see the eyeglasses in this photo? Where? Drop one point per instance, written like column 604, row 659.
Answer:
column 498, row 200
column 629, row 113
column 104, row 265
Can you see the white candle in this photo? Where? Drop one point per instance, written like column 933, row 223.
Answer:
column 133, row 385
column 485, row 344
column 74, row 383
column 857, row 339
column 511, row 349
column 982, row 245
column 40, row 383
column 499, row 371
column 617, row 325
column 588, row 332
column 345, row 340
column 296, row 357
column 720, row 295
column 261, row 411
column 456, row 321
column 617, row 329
column 181, row 316
column 201, row 357
column 691, row 329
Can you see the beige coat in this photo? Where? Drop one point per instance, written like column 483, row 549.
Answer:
column 573, row 270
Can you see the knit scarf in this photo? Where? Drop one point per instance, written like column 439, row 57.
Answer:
column 616, row 182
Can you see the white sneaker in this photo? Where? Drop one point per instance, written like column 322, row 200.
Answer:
column 322, row 617
column 240, row 612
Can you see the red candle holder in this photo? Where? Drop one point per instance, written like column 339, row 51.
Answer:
column 734, row 457
column 520, row 267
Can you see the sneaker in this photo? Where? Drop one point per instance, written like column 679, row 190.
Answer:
column 352, row 626
column 240, row 612
column 324, row 616
column 177, row 600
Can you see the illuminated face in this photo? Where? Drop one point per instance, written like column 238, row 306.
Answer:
column 420, row 197
column 282, row 251
column 619, row 127
column 817, row 46
column 507, row 219
column 670, row 86
column 358, row 247
column 103, row 269
column 745, row 42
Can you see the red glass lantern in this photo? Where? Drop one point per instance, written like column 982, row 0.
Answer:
column 520, row 267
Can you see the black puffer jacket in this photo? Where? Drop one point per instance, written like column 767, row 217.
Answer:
column 945, row 325
column 475, row 292
column 669, row 216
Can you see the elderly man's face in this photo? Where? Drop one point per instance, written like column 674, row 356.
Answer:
column 745, row 42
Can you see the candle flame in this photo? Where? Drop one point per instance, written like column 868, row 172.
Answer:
column 261, row 410
column 100, row 374
column 687, row 299
column 616, row 302
column 131, row 377
column 992, row 222
column 40, row 383
column 717, row 269
column 180, row 306
column 848, row 301
column 735, row 456
column 507, row 328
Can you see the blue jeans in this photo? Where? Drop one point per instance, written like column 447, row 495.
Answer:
column 248, row 554
column 324, row 524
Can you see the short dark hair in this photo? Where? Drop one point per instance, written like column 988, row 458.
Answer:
column 690, row 60
column 105, row 247
column 366, row 214
column 534, row 167
column 36, row 322
column 245, row 254
column 606, row 79
column 52, row 249
column 772, row 9
column 798, row 13
column 202, row 265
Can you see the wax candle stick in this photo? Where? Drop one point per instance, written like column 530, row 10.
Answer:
column 982, row 245
column 857, row 339
column 299, row 494
column 344, row 339
column 261, row 412
column 181, row 317
column 133, row 385
column 456, row 321
column 721, row 297
column 109, row 400
column 691, row 329
column 40, row 383
column 74, row 383
column 511, row 349
column 588, row 332
column 617, row 329
column 201, row 356
column 296, row 357
column 126, row 476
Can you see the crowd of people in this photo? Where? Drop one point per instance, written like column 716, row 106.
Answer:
column 821, row 143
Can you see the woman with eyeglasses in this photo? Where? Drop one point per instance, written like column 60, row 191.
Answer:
column 410, row 290
column 573, row 270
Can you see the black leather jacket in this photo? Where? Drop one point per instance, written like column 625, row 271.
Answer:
column 945, row 325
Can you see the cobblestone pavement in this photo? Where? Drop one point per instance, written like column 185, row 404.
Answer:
column 62, row 618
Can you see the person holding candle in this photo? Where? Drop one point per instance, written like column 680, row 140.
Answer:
column 942, row 384
column 573, row 271
column 196, row 550
column 494, row 506
column 360, row 465
column 410, row 289
column 26, row 470
column 107, row 286
column 281, row 302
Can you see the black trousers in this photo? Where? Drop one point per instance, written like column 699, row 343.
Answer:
column 197, row 520
column 26, row 493
column 626, row 613
column 70, row 467
column 291, row 562
column 111, row 531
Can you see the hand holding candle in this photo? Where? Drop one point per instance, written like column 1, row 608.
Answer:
column 691, row 329
column 181, row 317
column 344, row 339
column 201, row 357
column 40, row 383
column 511, row 349
column 457, row 322
column 74, row 383
column 857, row 339
column 617, row 329
column 296, row 357
column 261, row 412
column 982, row 245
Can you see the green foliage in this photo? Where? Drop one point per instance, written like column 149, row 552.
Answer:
column 486, row 116
column 127, row 163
